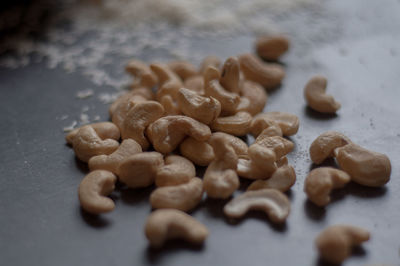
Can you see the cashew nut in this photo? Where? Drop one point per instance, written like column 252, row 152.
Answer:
column 168, row 132
column 140, row 170
column 119, row 109
column 183, row 69
column 253, row 98
column 220, row 178
column 176, row 170
column 93, row 190
column 237, row 124
column 267, row 74
column 282, row 179
column 143, row 73
column 317, row 99
column 139, row 116
column 135, row 95
column 289, row 123
column 324, row 145
column 231, row 75
column 184, row 197
column 105, row 130
column 365, row 167
column 273, row 202
column 195, row 83
column 170, row 105
column 111, row 162
column 272, row 47
column 203, row 109
column 336, row 242
column 88, row 142
column 165, row 224
column 321, row 181
column 279, row 145
column 209, row 61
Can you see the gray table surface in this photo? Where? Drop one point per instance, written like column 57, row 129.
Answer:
column 41, row 222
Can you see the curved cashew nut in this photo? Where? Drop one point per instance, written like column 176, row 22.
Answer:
column 176, row 170
column 203, row 109
column 170, row 105
column 321, row 181
column 135, row 95
column 289, row 123
column 111, row 162
column 268, row 75
column 87, row 143
column 168, row 132
column 272, row 47
column 253, row 97
column 237, row 124
column 93, row 191
column 167, row 224
column 336, row 242
column 105, row 130
column 282, row 179
column 195, row 83
column 231, row 75
column 273, row 202
column 140, row 170
column 365, row 167
column 317, row 99
column 183, row 69
column 279, row 145
column 209, row 61
column 220, row 179
column 119, row 109
column 324, row 145
column 184, row 197
column 140, row 70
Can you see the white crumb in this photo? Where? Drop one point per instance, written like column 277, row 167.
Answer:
column 84, row 94
column 70, row 127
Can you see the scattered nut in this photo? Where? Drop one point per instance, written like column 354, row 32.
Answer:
column 253, row 98
column 199, row 152
column 167, row 224
column 272, row 47
column 93, row 191
column 320, row 182
column 336, row 242
column 279, row 145
column 105, row 130
column 176, row 170
column 289, row 123
column 143, row 73
column 282, row 179
column 324, row 145
column 237, row 124
column 183, row 69
column 317, row 99
column 273, row 202
column 231, row 75
column 195, row 83
column 119, row 109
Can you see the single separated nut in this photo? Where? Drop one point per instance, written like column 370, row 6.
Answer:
column 267, row 74
column 168, row 132
column 111, row 162
column 183, row 69
column 184, row 197
column 230, row 76
column 282, row 179
column 105, row 130
column 321, row 181
column 336, row 242
column 253, row 97
column 317, row 99
column 237, row 124
column 142, row 72
column 203, row 109
column 176, row 170
column 288, row 123
column 165, row 224
column 93, row 190
column 220, row 178
column 324, row 145
column 273, row 202
column 140, row 170
column 272, row 47
column 365, row 167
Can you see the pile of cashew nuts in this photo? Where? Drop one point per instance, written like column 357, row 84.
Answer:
column 178, row 116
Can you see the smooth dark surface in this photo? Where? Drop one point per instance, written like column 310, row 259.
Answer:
column 41, row 222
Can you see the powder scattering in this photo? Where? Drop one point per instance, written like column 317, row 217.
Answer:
column 84, row 94
column 70, row 127
column 108, row 98
column 84, row 119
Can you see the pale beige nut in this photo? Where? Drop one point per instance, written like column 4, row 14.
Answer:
column 210, row 61
column 253, row 97
column 365, row 167
column 316, row 97
column 183, row 69
column 137, row 94
column 321, row 181
column 267, row 74
column 184, row 197
column 105, row 130
column 140, row 170
column 195, row 83
column 168, row 132
column 272, row 47
column 88, row 143
column 138, row 118
column 237, row 124
column 324, row 145
column 282, row 179
column 279, row 145
column 271, row 201
column 93, row 190
column 142, row 72
column 220, row 178
column 282, row 161
column 111, row 162
column 176, row 170
column 212, row 88
column 289, row 123
column 203, row 109
column 171, row 106
column 119, row 109
column 336, row 242
column 165, row 224
column 230, row 75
